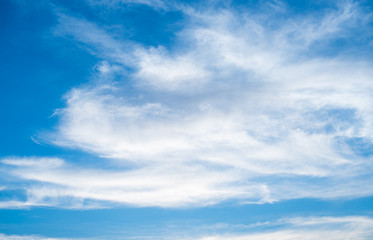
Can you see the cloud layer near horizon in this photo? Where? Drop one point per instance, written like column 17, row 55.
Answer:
column 243, row 108
column 313, row 228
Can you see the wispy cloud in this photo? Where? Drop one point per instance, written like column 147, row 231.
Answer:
column 28, row 237
column 156, row 4
column 311, row 228
column 243, row 108
column 174, row 185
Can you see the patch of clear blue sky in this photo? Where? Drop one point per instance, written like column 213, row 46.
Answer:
column 37, row 69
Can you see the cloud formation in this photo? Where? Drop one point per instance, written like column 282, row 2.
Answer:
column 312, row 228
column 243, row 108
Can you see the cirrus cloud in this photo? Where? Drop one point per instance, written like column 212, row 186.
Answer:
column 244, row 109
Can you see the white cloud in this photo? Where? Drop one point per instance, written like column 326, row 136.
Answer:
column 27, row 237
column 236, row 112
column 164, row 72
column 167, row 186
column 156, row 4
column 311, row 228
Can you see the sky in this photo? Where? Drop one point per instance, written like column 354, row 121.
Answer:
column 191, row 120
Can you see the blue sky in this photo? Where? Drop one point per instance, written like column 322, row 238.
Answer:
column 206, row 120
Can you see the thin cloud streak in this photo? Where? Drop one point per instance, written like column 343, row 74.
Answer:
column 354, row 227
column 311, row 228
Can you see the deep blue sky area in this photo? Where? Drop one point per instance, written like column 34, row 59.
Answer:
column 36, row 72
column 186, row 119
